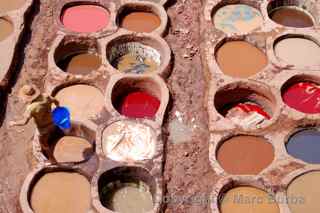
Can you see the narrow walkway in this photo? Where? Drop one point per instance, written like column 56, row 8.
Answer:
column 188, row 175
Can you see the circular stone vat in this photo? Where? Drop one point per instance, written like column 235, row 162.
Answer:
column 85, row 18
column 6, row 6
column 305, row 145
column 138, row 18
column 244, row 106
column 60, row 191
column 245, row 155
column 80, row 63
column 240, row 59
column 247, row 199
column 291, row 17
column 237, row 18
column 72, row 149
column 75, row 146
column 136, row 98
column 291, row 13
column 83, row 101
column 6, row 28
column 127, row 190
column 77, row 58
column 297, row 51
column 303, row 195
column 136, row 55
column 301, row 95
column 129, row 141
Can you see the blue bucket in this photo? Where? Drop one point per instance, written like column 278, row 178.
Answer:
column 61, row 117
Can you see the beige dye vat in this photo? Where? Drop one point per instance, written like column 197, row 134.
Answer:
column 6, row 29
column 83, row 101
column 303, row 193
column 128, row 141
column 129, row 198
column 6, row 6
column 298, row 51
column 72, row 149
column 66, row 192
column 247, row 199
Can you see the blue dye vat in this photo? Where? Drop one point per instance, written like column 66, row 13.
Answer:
column 305, row 145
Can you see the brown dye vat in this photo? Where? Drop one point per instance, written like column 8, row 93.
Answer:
column 291, row 16
column 245, row 155
column 83, row 101
column 72, row 146
column 67, row 192
column 140, row 21
column 80, row 63
column 6, row 6
column 6, row 29
column 72, row 149
column 240, row 59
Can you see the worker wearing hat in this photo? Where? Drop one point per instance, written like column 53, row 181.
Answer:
column 39, row 108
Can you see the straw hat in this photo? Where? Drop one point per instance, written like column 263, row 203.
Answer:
column 29, row 93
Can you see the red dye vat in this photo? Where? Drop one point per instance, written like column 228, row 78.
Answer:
column 139, row 105
column 304, row 97
column 85, row 18
column 253, row 108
